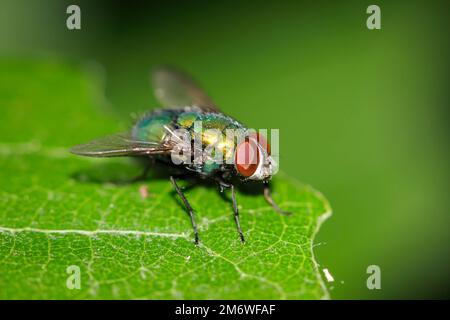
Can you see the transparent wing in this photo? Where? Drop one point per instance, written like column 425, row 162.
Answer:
column 174, row 88
column 121, row 144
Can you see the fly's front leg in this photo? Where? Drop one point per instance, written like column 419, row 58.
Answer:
column 272, row 203
column 188, row 207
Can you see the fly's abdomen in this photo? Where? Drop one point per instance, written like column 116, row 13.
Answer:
column 153, row 127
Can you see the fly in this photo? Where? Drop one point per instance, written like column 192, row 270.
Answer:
column 155, row 136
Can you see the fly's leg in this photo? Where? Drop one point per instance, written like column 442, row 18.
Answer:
column 188, row 207
column 236, row 214
column 272, row 203
column 222, row 186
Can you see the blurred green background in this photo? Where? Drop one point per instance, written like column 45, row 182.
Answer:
column 363, row 115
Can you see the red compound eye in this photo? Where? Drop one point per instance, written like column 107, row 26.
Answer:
column 247, row 157
column 263, row 142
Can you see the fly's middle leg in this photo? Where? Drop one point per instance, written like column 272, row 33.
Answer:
column 236, row 214
column 188, row 207
column 222, row 186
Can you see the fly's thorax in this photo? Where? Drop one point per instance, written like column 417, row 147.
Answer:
column 218, row 136
column 209, row 133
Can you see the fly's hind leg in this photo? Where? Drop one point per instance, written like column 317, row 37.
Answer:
column 188, row 207
column 272, row 203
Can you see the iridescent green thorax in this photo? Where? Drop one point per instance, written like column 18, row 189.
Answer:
column 217, row 121
column 156, row 127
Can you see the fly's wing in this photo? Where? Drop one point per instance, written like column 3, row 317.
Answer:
column 174, row 88
column 121, row 144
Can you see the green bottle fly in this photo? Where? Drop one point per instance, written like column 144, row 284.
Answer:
column 190, row 133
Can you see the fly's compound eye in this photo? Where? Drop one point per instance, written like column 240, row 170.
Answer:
column 247, row 157
column 263, row 142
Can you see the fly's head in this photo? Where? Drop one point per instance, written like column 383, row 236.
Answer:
column 253, row 160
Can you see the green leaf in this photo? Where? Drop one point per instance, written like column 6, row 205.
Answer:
column 59, row 210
